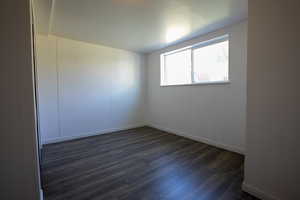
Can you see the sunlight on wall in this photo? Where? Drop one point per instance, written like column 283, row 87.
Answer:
column 177, row 21
column 176, row 32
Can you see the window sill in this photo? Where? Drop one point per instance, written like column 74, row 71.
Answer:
column 203, row 83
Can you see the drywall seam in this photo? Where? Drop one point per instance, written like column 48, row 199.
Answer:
column 57, row 88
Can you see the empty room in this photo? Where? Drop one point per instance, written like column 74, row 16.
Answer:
column 150, row 100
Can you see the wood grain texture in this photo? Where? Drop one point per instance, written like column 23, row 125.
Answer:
column 141, row 164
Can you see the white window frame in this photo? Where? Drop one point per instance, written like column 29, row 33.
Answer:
column 192, row 48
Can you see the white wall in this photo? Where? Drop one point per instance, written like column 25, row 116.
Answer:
column 19, row 170
column 85, row 89
column 214, row 114
column 43, row 11
column 272, row 167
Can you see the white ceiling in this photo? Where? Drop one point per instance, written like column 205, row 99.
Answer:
column 142, row 25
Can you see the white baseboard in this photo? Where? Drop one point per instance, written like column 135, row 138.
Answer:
column 180, row 133
column 257, row 192
column 199, row 139
column 83, row 135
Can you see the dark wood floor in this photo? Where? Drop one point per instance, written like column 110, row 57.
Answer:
column 141, row 164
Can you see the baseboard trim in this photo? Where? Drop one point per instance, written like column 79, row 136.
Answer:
column 180, row 133
column 199, row 139
column 257, row 192
column 89, row 134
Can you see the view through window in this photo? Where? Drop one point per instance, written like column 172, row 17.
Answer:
column 206, row 62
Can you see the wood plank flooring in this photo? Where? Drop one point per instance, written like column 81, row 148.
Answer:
column 140, row 164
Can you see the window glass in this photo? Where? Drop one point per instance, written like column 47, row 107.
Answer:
column 210, row 63
column 207, row 62
column 178, row 68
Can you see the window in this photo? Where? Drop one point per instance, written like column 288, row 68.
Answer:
column 206, row 62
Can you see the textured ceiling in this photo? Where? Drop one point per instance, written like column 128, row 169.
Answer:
column 142, row 25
